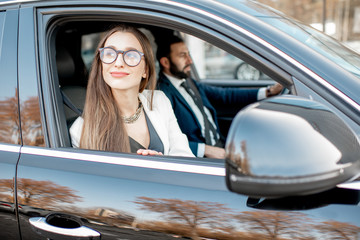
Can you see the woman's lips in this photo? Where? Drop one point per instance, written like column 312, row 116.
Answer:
column 119, row 74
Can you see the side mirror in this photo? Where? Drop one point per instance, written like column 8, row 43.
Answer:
column 286, row 146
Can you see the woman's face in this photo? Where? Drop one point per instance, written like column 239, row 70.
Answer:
column 118, row 75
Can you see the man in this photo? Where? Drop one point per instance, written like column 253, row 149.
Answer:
column 192, row 101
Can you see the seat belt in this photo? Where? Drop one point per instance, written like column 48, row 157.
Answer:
column 69, row 104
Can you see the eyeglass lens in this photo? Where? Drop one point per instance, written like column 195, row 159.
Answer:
column 131, row 58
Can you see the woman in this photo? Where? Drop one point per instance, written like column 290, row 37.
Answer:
column 119, row 114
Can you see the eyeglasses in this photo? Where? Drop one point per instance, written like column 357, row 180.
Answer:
column 109, row 55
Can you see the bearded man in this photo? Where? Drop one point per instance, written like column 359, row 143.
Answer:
column 193, row 101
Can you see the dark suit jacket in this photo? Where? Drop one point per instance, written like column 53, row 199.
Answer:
column 210, row 95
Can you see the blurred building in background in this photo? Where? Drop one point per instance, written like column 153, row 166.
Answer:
column 337, row 18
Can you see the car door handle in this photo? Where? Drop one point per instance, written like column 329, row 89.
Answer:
column 62, row 226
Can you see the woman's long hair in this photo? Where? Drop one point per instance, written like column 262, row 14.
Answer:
column 103, row 127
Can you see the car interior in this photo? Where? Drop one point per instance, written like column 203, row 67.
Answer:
column 75, row 44
column 75, row 48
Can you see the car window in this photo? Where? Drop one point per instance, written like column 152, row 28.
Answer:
column 212, row 62
column 9, row 115
column 88, row 47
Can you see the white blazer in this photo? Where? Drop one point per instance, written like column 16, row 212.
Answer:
column 162, row 118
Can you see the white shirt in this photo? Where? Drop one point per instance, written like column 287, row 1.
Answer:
column 163, row 119
column 201, row 146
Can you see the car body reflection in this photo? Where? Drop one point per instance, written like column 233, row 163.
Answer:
column 180, row 217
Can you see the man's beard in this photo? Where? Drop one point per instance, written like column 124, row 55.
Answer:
column 178, row 73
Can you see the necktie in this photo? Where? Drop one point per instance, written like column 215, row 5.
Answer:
column 198, row 101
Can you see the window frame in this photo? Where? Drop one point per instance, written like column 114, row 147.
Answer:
column 51, row 17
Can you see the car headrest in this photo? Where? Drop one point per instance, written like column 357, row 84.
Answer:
column 65, row 65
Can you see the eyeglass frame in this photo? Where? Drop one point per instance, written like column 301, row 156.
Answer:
column 123, row 53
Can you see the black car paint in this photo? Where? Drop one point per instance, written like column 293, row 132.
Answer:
column 124, row 184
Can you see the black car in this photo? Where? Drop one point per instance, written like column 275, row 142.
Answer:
column 293, row 161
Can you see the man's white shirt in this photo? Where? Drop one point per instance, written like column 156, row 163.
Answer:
column 176, row 82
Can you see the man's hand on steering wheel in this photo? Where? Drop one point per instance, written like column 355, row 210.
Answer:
column 274, row 90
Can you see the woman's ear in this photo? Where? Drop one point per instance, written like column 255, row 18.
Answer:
column 146, row 71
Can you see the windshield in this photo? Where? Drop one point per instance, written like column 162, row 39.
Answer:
column 323, row 44
column 318, row 41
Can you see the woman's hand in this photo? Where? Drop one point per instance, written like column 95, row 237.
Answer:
column 146, row 152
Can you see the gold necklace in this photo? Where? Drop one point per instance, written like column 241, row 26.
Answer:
column 135, row 116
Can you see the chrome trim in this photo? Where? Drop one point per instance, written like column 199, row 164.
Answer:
column 350, row 185
column 16, row 1
column 40, row 223
column 129, row 161
column 272, row 48
column 9, row 148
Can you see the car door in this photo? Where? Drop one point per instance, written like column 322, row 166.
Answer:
column 67, row 193
column 10, row 139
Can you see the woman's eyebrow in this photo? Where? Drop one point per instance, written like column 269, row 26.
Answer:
column 126, row 49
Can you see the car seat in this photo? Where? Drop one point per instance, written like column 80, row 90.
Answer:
column 72, row 79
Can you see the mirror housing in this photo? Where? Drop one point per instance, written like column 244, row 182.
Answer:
column 287, row 146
